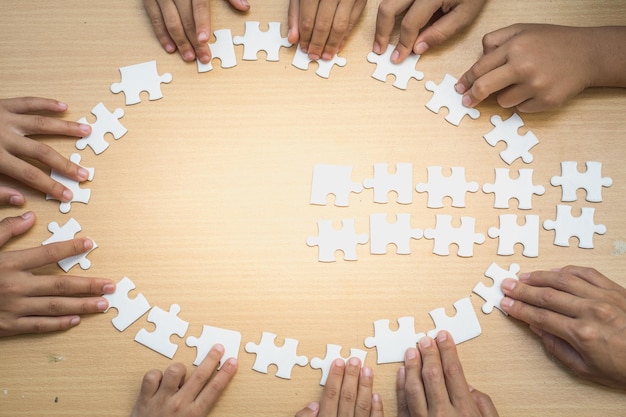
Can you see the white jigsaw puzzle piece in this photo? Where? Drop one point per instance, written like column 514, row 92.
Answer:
column 106, row 122
column 284, row 357
column 493, row 295
column 462, row 326
column 333, row 179
column 255, row 40
column 511, row 233
column 440, row 186
column 464, row 236
column 301, row 61
column 402, row 72
column 333, row 352
column 591, row 180
column 330, row 240
column 128, row 310
column 391, row 345
column 65, row 233
column 230, row 339
column 399, row 233
column 566, row 226
column 518, row 146
column 383, row 182
column 522, row 189
column 81, row 195
column 138, row 78
column 445, row 95
column 222, row 49
column 167, row 324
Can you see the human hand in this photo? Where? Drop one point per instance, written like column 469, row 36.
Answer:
column 168, row 394
column 15, row 125
column 451, row 16
column 44, row 303
column 185, row 25
column 322, row 27
column 432, row 383
column 348, row 392
column 580, row 316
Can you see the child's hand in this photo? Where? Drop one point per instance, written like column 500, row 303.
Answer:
column 44, row 303
column 169, row 395
column 348, row 392
column 580, row 316
column 457, row 14
column 185, row 25
column 432, row 383
column 322, row 27
column 15, row 125
column 538, row 67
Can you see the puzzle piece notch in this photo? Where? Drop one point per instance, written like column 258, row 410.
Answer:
column 128, row 310
column 511, row 233
column 383, row 182
column 445, row 95
column 566, row 226
column 462, row 326
column 402, row 72
column 333, row 352
column 463, row 236
column 330, row 240
column 392, row 344
column 301, row 61
column 167, row 324
column 230, row 339
column 284, row 357
column 106, row 122
column 333, row 179
column 493, row 295
column 440, row 186
column 591, row 180
column 222, row 49
column 518, row 146
column 255, row 40
column 80, row 195
column 138, row 78
column 522, row 188
column 399, row 233
column 65, row 233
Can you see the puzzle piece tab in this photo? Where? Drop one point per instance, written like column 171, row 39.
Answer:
column 399, row 233
column 167, row 324
column 445, row 95
column 440, row 186
column 591, row 180
column 511, row 233
column 493, row 295
column 522, row 188
column 302, row 61
column 402, row 72
column 230, row 339
column 331, row 240
column 81, row 195
column 463, row 326
column 566, row 226
column 284, row 357
column 518, row 146
column 333, row 352
column 445, row 235
column 106, row 122
column 333, row 179
column 392, row 344
column 141, row 77
column 254, row 40
column 65, row 233
column 222, row 49
column 383, row 182
column 128, row 310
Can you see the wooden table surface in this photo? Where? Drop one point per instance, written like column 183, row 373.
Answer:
column 205, row 203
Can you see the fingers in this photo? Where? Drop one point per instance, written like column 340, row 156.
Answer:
column 386, row 20
column 206, row 383
column 241, row 5
column 497, row 38
column 61, row 306
column 412, row 394
column 46, row 324
column 68, row 286
column 158, row 25
column 432, row 375
column 484, row 404
column 488, row 75
column 415, row 19
column 150, row 385
column 28, row 259
column 173, row 379
column 329, row 404
column 15, row 226
column 547, row 298
column 311, row 410
column 458, row 390
column 11, row 197
column 307, row 22
column 366, row 401
column 293, row 19
column 349, row 389
column 32, row 104
column 563, row 351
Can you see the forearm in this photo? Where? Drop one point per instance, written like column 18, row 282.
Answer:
column 609, row 56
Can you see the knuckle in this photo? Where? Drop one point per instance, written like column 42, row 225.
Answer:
column 216, row 385
column 348, row 396
column 152, row 377
column 546, row 297
column 40, row 122
column 30, row 173
column 54, row 308
column 387, row 9
column 432, row 373
column 331, row 392
column 480, row 90
column 363, row 405
column 411, row 391
column 539, row 317
column 62, row 286
column 307, row 24
column 39, row 327
column 453, row 370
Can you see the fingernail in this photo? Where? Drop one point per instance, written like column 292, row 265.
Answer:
column 339, row 363
column 442, row 336
column 16, row 200
column 366, row 371
column 467, row 101
column 28, row 215
column 326, row 56
column 102, row 305
column 376, row 48
column 219, row 347
column 508, row 284
column 203, row 36
column 421, row 47
column 460, row 88
column 189, row 56
column 84, row 128
column 471, row 388
column 205, row 59
column 313, row 407
column 245, row 3
column 170, row 48
column 524, row 276
column 425, row 342
column 75, row 320
column 354, row 361
column 506, row 303
column 108, row 289
column 62, row 106
column 83, row 174
column 375, row 398
column 314, row 57
column 410, row 354
column 394, row 56
column 67, row 195
column 87, row 244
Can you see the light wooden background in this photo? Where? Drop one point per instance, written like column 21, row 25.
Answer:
column 204, row 203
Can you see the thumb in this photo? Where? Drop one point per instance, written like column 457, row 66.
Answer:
column 310, row 410
column 444, row 28
column 563, row 351
column 9, row 196
column 14, row 226
column 293, row 17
